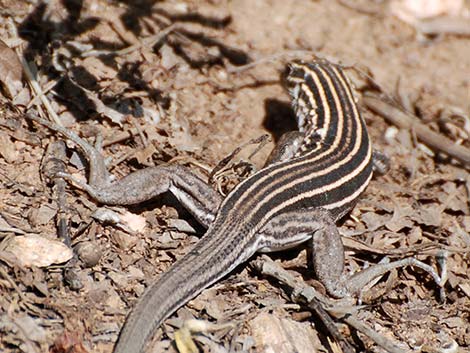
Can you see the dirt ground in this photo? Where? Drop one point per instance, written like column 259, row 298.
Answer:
column 168, row 81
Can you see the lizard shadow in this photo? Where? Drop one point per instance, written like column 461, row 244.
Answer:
column 279, row 118
column 167, row 199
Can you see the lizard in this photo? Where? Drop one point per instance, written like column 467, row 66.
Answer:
column 312, row 179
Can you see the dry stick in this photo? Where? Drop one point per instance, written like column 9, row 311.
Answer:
column 38, row 91
column 330, row 325
column 405, row 120
column 144, row 42
column 361, row 9
column 341, row 309
column 54, row 164
column 445, row 25
column 120, row 136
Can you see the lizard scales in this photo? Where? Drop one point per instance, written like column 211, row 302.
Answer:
column 328, row 168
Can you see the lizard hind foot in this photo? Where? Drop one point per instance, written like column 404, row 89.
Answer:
column 359, row 282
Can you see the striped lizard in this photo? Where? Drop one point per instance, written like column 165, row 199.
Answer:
column 312, row 179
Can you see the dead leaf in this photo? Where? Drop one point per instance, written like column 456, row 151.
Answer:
column 169, row 58
column 453, row 197
column 11, row 70
column 115, row 116
column 143, row 156
column 5, row 227
column 465, row 287
column 42, row 215
column 124, row 240
column 31, row 328
column 400, row 218
column 374, row 221
column 466, row 223
column 273, row 334
column 135, row 222
column 7, row 147
column 128, row 221
column 429, row 215
column 98, row 69
column 180, row 225
column 68, row 342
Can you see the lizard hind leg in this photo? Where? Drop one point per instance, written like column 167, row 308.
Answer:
column 292, row 228
column 289, row 229
column 327, row 250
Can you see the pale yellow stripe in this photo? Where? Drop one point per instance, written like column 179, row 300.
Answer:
column 249, row 194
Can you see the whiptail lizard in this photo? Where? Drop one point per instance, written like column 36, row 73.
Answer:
column 313, row 178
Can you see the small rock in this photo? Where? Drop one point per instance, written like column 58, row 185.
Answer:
column 180, row 225
column 169, row 58
column 34, row 250
column 89, row 253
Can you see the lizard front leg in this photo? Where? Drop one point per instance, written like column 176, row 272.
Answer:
column 287, row 230
column 142, row 185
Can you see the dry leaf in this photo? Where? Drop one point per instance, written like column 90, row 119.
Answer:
column 135, row 222
column 374, row 221
column 11, row 70
column 7, row 147
column 180, row 225
column 400, row 219
column 143, row 156
column 128, row 221
column 5, row 227
column 31, row 328
column 114, row 115
column 429, row 215
column 42, row 215
column 123, row 240
column 273, row 334
column 68, row 342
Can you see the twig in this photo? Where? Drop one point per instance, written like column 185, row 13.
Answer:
column 361, row 9
column 12, row 283
column 55, row 164
column 445, row 25
column 330, row 325
column 145, row 42
column 38, row 91
column 406, row 120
